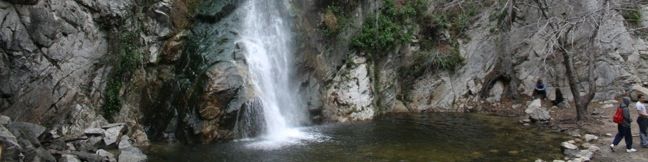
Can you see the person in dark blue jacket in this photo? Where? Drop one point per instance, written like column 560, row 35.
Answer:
column 540, row 90
column 624, row 128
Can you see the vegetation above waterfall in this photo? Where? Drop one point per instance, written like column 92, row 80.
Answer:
column 393, row 24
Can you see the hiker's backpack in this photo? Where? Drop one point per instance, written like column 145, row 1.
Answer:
column 618, row 116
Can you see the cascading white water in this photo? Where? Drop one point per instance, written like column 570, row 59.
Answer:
column 267, row 37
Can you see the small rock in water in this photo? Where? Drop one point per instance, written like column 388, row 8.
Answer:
column 574, row 133
column 590, row 137
column 569, row 145
column 536, row 112
column 571, row 141
column 477, row 154
column 539, row 160
column 130, row 153
column 514, row 152
column 493, row 151
column 558, row 160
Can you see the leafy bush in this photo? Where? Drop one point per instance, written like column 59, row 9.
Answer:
column 393, row 25
column 456, row 20
column 449, row 61
column 112, row 102
column 633, row 16
column 425, row 61
column 128, row 60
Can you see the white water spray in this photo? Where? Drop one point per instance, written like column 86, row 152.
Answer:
column 268, row 39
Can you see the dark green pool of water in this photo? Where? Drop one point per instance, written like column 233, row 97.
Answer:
column 443, row 137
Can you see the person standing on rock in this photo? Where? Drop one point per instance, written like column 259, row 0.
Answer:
column 642, row 121
column 624, row 128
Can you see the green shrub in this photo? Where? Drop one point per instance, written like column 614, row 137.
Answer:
column 449, row 61
column 456, row 20
column 391, row 26
column 633, row 16
column 112, row 102
column 128, row 59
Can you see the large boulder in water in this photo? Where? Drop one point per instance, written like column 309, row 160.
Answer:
column 129, row 153
column 536, row 112
column 350, row 96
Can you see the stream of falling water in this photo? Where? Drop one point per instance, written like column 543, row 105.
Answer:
column 267, row 37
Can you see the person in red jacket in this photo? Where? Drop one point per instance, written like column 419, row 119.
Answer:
column 624, row 128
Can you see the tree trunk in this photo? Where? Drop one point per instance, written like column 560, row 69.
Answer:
column 581, row 102
column 573, row 86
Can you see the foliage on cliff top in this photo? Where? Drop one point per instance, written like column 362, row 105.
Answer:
column 393, row 24
column 337, row 16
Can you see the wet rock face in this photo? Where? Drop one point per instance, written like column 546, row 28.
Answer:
column 222, row 85
column 210, row 87
column 350, row 97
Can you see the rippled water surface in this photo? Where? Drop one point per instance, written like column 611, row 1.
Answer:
column 398, row 137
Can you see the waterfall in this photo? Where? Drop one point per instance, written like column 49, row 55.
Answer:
column 267, row 37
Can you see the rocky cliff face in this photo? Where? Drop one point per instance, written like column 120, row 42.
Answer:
column 63, row 62
column 173, row 68
column 49, row 51
column 506, row 46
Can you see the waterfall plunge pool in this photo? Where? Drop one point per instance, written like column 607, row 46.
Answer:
column 396, row 137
